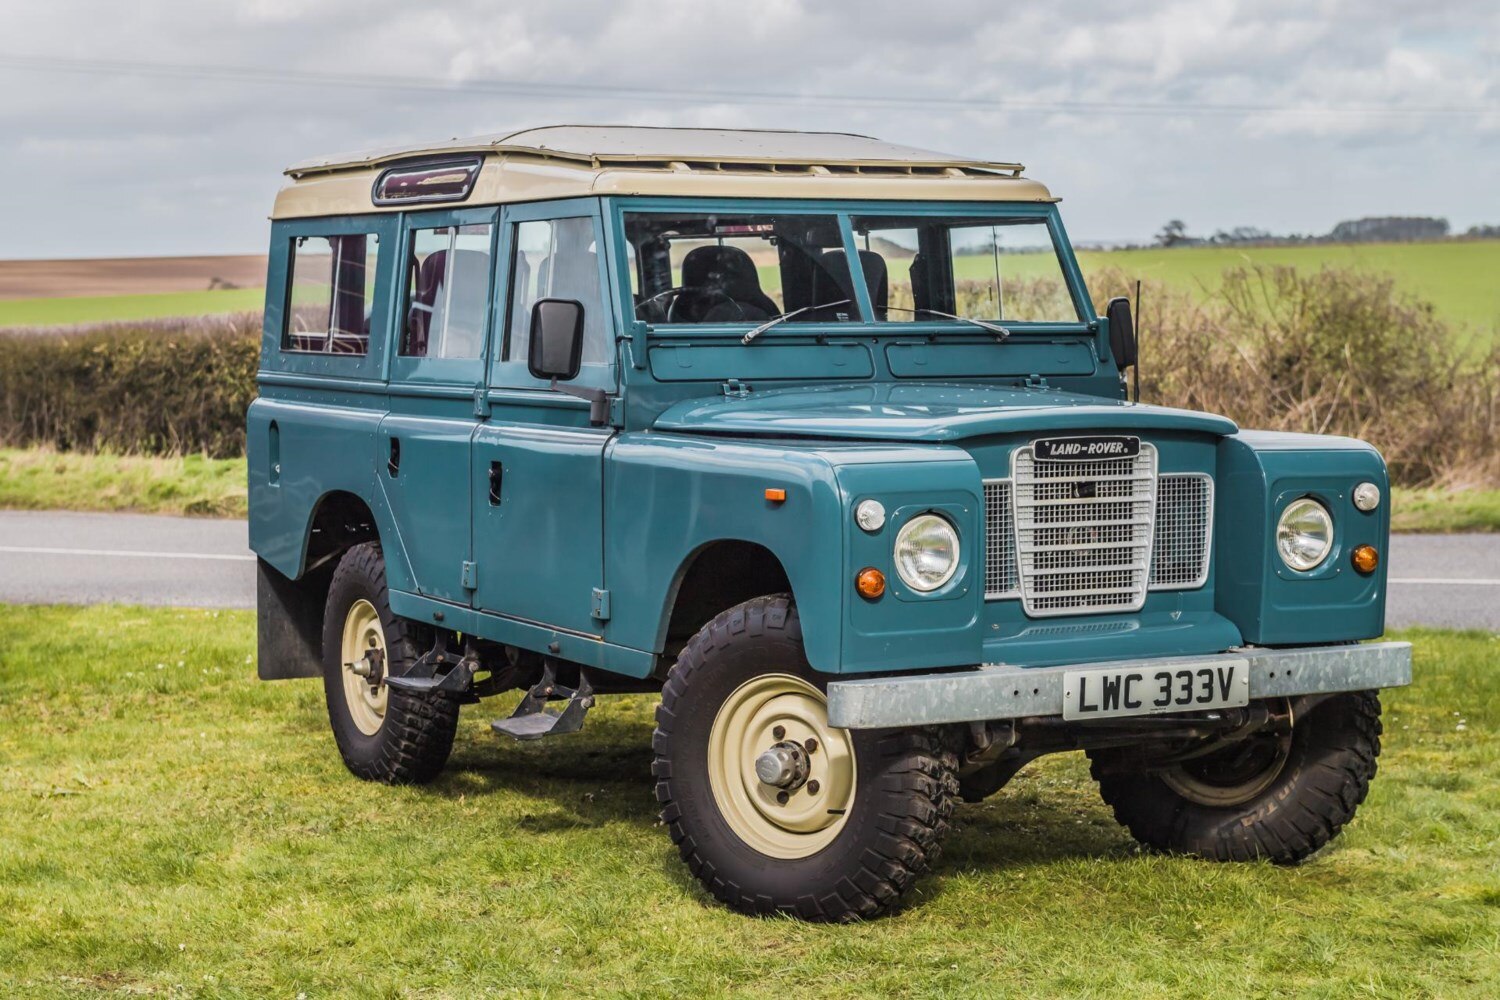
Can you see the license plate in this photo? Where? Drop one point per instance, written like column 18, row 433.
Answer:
column 1151, row 690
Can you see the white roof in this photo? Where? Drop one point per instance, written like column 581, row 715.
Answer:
column 599, row 145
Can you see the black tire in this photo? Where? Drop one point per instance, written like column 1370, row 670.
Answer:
column 414, row 740
column 905, row 791
column 1328, row 766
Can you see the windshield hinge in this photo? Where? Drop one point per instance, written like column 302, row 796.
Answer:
column 1035, row 382
column 736, row 389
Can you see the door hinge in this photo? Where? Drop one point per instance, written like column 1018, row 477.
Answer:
column 601, row 604
column 481, row 401
column 471, row 575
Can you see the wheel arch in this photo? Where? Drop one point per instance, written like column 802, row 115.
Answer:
column 289, row 609
column 714, row 577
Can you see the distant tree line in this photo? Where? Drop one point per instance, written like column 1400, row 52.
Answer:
column 1375, row 229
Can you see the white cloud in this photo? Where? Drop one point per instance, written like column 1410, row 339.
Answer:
column 74, row 142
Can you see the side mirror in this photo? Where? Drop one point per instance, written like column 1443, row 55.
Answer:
column 1121, row 331
column 556, row 343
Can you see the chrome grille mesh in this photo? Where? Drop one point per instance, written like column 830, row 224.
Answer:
column 1080, row 537
column 999, row 541
column 1184, row 525
column 1083, row 532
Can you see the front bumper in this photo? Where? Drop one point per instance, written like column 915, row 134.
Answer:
column 998, row 691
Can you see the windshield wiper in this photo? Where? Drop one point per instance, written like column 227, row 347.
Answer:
column 994, row 328
column 749, row 337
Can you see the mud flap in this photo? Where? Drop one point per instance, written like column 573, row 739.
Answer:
column 289, row 622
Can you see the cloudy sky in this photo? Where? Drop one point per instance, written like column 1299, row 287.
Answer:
column 161, row 126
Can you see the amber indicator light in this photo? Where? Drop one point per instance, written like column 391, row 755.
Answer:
column 775, row 494
column 1365, row 558
column 870, row 583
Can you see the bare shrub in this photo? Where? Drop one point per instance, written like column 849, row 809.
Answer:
column 1333, row 351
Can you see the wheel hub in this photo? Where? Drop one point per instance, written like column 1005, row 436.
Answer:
column 362, row 652
column 782, row 778
column 784, row 765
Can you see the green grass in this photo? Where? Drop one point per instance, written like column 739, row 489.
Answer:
column 119, row 308
column 1457, row 277
column 1445, row 510
column 174, row 826
column 39, row 479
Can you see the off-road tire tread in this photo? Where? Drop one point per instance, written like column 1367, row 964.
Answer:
column 1334, row 786
column 919, row 789
column 417, row 737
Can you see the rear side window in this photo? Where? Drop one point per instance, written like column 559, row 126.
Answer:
column 331, row 294
column 447, row 292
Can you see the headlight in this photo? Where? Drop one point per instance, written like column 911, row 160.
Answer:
column 1304, row 535
column 926, row 552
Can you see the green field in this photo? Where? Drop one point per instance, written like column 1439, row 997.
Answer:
column 175, row 827
column 113, row 308
column 1460, row 278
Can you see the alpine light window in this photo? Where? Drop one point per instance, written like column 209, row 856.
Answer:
column 450, row 180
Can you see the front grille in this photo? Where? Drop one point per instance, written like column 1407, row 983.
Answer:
column 999, row 541
column 1074, row 538
column 1083, row 532
column 1184, row 524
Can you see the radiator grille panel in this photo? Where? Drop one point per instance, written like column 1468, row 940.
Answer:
column 1073, row 537
column 1184, row 525
column 999, row 541
column 1083, row 532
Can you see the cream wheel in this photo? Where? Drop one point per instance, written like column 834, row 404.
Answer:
column 781, row 777
column 363, row 655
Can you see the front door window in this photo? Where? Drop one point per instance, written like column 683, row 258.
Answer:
column 558, row 259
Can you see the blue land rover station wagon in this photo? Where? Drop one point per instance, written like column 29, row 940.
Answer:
column 823, row 439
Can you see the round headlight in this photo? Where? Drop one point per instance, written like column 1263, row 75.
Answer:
column 1367, row 496
column 1304, row 535
column 926, row 552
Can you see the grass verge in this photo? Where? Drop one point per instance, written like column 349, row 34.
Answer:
column 174, row 826
column 1445, row 510
column 41, row 479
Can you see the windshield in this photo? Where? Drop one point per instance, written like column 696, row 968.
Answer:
column 738, row 268
column 921, row 267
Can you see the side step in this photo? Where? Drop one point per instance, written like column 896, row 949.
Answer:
column 531, row 720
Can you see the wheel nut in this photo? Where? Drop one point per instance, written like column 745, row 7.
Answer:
column 779, row 732
column 812, row 787
column 781, row 798
column 811, row 746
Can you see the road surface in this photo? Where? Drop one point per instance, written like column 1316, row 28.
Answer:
column 1451, row 581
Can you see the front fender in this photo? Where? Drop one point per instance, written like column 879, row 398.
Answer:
column 667, row 496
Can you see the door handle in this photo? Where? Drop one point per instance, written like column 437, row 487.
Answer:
column 497, row 477
column 393, row 464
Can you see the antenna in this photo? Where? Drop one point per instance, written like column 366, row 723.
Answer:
column 1136, row 374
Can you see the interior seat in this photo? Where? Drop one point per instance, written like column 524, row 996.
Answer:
column 721, row 285
column 833, row 283
column 419, row 313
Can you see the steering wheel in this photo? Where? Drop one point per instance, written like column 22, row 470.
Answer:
column 666, row 308
column 739, row 310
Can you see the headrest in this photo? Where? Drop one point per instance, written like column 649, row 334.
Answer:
column 728, row 269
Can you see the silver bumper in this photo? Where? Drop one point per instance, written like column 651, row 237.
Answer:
column 1005, row 692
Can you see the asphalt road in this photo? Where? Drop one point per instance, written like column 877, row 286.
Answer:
column 1451, row 581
